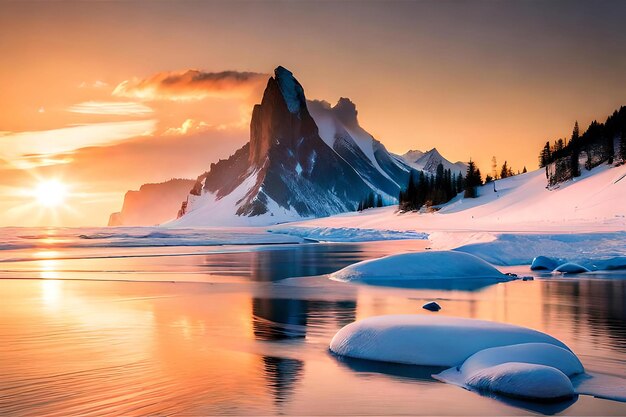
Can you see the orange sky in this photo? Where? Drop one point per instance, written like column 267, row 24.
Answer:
column 474, row 79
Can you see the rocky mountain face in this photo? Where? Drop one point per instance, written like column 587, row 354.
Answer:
column 152, row 204
column 428, row 161
column 291, row 168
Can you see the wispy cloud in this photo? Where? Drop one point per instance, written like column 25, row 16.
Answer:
column 111, row 108
column 22, row 148
column 193, row 85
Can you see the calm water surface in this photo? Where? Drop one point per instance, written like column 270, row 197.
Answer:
column 213, row 331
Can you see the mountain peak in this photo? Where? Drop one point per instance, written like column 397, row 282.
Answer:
column 345, row 110
column 290, row 88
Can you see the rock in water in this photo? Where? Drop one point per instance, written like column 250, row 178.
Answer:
column 432, row 306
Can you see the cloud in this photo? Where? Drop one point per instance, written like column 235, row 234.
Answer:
column 110, row 108
column 193, row 85
column 25, row 146
column 188, row 126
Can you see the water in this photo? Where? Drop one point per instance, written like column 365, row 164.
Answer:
column 205, row 330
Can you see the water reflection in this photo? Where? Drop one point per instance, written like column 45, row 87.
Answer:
column 282, row 374
column 253, row 346
column 278, row 319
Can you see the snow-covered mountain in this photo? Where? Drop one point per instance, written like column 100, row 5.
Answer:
column 428, row 161
column 304, row 159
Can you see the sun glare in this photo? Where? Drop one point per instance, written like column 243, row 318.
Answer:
column 51, row 193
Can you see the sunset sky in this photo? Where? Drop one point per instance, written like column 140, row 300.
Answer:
column 105, row 96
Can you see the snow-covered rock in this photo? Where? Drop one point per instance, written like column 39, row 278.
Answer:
column 535, row 353
column 543, row 263
column 571, row 268
column 523, row 380
column 428, row 340
column 428, row 265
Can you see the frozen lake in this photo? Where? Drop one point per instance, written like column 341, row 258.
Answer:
column 101, row 328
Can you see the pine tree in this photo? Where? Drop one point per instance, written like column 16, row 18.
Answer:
column 524, row 170
column 575, row 135
column 379, row 201
column 545, row 157
column 504, row 172
column 622, row 146
column 470, row 180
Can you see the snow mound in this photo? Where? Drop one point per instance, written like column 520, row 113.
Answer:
column 543, row 263
column 428, row 340
column 619, row 262
column 533, row 353
column 571, row 268
column 523, row 380
column 435, row 265
column 346, row 234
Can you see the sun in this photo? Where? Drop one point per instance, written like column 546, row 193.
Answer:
column 50, row 193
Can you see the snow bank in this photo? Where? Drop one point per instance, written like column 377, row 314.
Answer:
column 525, row 381
column 346, row 234
column 550, row 249
column 428, row 340
column 431, row 265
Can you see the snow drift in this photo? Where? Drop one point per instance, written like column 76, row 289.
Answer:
column 431, row 265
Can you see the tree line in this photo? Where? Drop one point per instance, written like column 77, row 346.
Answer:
column 424, row 189
column 595, row 146
column 372, row 200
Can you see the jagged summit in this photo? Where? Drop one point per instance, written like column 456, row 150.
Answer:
column 292, row 91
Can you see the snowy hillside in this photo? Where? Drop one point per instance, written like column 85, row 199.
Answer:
column 594, row 202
